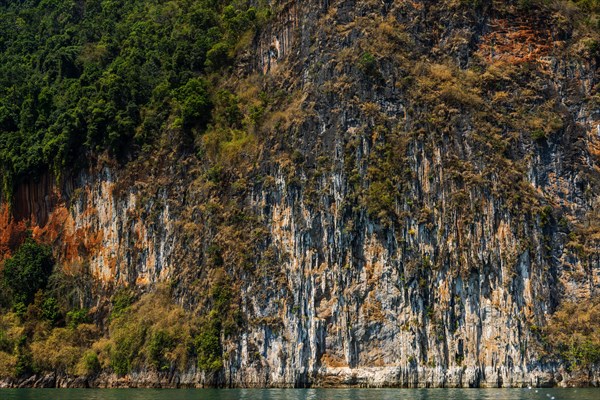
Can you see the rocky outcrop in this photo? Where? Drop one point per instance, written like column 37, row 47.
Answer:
column 404, row 233
column 375, row 377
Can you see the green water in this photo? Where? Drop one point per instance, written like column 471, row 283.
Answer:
column 301, row 394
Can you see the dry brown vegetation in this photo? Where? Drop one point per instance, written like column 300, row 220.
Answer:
column 573, row 332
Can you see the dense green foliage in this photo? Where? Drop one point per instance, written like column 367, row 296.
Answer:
column 27, row 271
column 121, row 301
column 208, row 341
column 77, row 78
column 77, row 317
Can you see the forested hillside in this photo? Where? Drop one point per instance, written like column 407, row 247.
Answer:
column 82, row 77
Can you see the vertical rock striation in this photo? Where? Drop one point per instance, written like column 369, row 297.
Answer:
column 413, row 231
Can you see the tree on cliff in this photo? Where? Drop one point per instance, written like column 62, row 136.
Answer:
column 27, row 271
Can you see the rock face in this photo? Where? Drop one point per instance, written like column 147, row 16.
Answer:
column 412, row 217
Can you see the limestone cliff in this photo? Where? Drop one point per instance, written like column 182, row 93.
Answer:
column 418, row 195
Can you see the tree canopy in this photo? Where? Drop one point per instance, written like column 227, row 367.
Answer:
column 27, row 271
column 82, row 77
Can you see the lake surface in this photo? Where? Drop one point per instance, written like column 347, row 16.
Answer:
column 300, row 394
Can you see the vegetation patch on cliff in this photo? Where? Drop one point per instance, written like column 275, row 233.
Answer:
column 573, row 332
